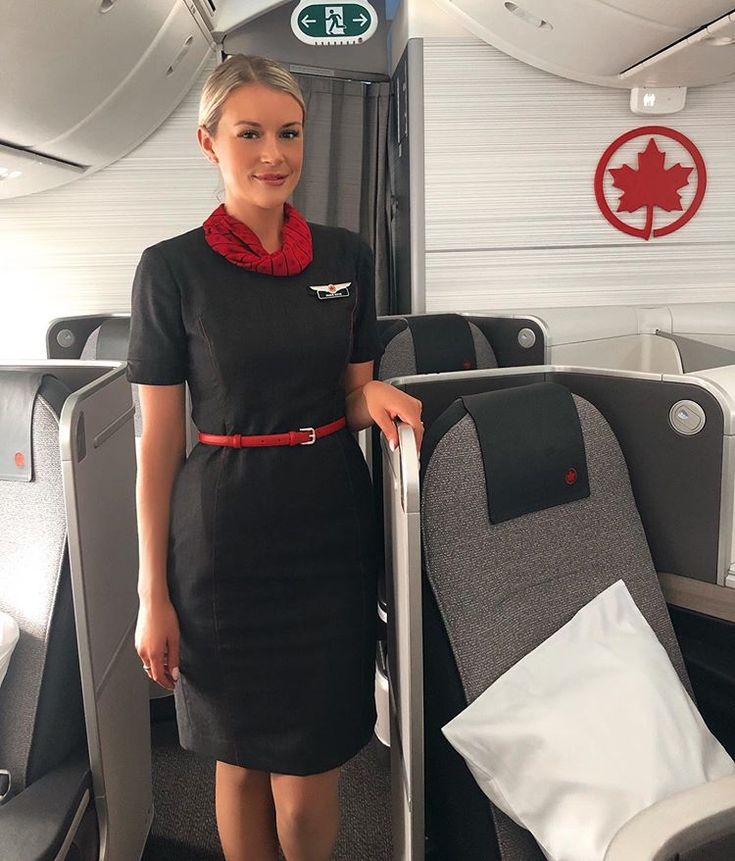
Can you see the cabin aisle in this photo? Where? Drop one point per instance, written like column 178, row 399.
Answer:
column 184, row 826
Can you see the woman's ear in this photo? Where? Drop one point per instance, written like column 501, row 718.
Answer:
column 205, row 144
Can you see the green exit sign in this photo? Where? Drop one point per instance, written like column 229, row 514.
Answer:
column 334, row 23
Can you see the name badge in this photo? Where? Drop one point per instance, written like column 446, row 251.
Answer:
column 331, row 291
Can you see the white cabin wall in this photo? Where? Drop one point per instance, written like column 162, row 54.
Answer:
column 74, row 249
column 511, row 219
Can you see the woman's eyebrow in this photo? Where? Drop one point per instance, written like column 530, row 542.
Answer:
column 259, row 126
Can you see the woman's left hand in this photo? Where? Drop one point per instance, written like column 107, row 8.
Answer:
column 386, row 403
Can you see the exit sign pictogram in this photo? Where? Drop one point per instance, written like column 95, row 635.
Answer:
column 334, row 23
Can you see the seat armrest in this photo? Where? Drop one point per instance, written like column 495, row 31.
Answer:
column 35, row 823
column 678, row 824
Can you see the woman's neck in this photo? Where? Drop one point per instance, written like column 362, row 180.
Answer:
column 266, row 224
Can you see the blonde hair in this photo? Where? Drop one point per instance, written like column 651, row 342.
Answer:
column 242, row 69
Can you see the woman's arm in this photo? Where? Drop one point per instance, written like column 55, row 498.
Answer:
column 371, row 401
column 358, row 373
column 162, row 451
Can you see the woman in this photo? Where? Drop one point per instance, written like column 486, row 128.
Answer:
column 258, row 553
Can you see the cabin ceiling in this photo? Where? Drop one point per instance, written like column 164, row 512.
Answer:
column 613, row 43
column 106, row 73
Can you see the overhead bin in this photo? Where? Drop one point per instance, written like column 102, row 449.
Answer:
column 102, row 78
column 704, row 57
column 24, row 172
column 627, row 43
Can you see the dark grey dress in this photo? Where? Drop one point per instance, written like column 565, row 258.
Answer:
column 272, row 555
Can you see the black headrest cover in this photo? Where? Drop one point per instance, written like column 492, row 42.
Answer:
column 532, row 448
column 442, row 342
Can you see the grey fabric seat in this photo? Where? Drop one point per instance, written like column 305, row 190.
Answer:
column 492, row 592
column 42, row 727
column 426, row 343
column 403, row 345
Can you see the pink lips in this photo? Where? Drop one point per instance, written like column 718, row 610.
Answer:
column 271, row 178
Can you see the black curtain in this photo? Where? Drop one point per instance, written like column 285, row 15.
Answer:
column 343, row 183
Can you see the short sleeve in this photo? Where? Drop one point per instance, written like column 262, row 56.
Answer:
column 157, row 350
column 366, row 345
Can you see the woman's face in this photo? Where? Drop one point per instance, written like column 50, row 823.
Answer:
column 259, row 145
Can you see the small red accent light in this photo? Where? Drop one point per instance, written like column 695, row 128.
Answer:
column 20, row 459
column 571, row 476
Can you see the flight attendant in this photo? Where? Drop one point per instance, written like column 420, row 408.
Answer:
column 258, row 553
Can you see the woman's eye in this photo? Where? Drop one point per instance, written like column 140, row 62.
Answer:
column 251, row 134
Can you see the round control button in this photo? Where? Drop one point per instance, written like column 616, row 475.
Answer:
column 65, row 338
column 687, row 417
column 526, row 338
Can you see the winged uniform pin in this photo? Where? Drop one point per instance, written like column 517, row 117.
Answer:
column 331, row 291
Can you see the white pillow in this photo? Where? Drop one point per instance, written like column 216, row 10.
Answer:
column 9, row 634
column 586, row 730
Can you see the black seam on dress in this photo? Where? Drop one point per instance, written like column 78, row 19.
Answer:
column 363, row 583
column 217, row 371
column 213, row 580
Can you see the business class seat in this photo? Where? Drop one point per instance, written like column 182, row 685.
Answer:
column 102, row 337
column 438, row 343
column 432, row 343
column 493, row 591
column 110, row 341
column 48, row 802
column 94, row 337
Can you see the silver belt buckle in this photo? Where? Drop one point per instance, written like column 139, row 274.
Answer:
column 312, row 436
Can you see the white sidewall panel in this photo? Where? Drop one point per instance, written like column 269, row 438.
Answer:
column 511, row 215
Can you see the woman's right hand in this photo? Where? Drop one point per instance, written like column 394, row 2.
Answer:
column 157, row 641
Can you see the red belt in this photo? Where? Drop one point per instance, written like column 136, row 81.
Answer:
column 302, row 436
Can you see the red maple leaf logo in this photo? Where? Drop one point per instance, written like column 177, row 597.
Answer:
column 651, row 185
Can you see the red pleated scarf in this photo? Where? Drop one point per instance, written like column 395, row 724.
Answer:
column 237, row 242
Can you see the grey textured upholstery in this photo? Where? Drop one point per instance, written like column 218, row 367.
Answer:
column 399, row 356
column 41, row 713
column 89, row 350
column 503, row 589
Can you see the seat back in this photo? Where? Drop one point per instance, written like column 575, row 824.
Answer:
column 110, row 341
column 431, row 343
column 494, row 590
column 422, row 344
column 41, row 709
